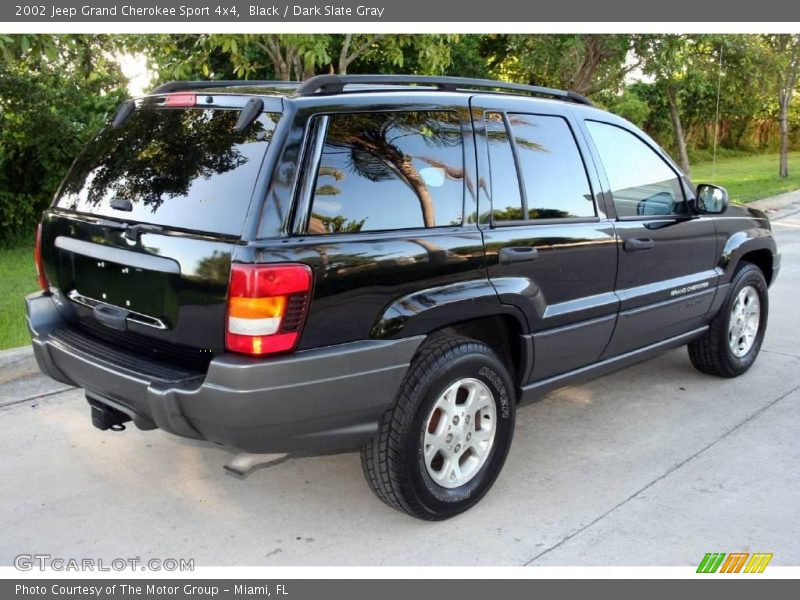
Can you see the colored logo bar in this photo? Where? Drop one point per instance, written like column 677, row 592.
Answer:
column 734, row 562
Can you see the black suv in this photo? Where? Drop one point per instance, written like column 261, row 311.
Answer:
column 390, row 263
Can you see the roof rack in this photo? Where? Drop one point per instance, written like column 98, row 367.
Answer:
column 335, row 84
column 184, row 86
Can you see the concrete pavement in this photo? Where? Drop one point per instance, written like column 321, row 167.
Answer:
column 779, row 203
column 653, row 465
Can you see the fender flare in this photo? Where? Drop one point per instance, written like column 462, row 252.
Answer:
column 741, row 243
column 425, row 311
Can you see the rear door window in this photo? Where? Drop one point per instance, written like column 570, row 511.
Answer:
column 184, row 168
column 388, row 171
column 554, row 177
column 536, row 171
column 504, row 180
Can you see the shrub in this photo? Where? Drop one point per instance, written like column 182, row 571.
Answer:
column 47, row 114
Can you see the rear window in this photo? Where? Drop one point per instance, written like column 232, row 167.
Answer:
column 184, row 168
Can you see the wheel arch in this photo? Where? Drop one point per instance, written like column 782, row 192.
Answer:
column 756, row 246
column 504, row 335
column 763, row 259
column 467, row 308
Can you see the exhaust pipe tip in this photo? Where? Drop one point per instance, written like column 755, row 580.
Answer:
column 244, row 463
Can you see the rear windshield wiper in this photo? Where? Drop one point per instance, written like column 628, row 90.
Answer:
column 249, row 113
column 122, row 204
column 133, row 230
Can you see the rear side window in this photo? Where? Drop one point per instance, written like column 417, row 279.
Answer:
column 552, row 181
column 389, row 170
column 175, row 167
column 642, row 183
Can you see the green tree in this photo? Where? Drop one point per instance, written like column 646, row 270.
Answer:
column 290, row 56
column 667, row 58
column 55, row 93
column 353, row 47
column 414, row 54
column 583, row 63
column 234, row 56
column 783, row 62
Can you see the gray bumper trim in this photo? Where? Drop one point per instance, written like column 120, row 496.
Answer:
column 320, row 400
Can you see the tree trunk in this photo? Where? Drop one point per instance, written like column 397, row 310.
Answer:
column 787, row 82
column 343, row 62
column 414, row 179
column 283, row 69
column 402, row 165
column 784, row 122
column 593, row 53
column 680, row 138
column 348, row 55
column 308, row 69
column 298, row 68
column 281, row 61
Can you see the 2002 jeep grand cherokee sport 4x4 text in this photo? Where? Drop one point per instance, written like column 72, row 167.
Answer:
column 390, row 263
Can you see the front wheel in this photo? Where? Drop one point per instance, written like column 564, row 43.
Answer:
column 733, row 341
column 440, row 447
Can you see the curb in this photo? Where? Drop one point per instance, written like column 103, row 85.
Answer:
column 16, row 363
column 15, row 355
column 775, row 203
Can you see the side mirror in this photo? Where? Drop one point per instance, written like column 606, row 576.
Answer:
column 711, row 199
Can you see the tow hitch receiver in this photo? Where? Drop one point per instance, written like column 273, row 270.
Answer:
column 105, row 417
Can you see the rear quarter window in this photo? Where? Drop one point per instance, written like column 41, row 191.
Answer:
column 184, row 168
column 388, row 171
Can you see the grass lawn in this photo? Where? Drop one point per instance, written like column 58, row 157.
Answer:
column 749, row 178
column 17, row 278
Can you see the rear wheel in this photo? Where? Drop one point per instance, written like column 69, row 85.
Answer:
column 442, row 444
column 733, row 341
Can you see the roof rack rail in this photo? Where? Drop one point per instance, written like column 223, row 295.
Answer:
column 335, row 84
column 183, row 86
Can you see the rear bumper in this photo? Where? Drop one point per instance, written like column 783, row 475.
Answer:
column 320, row 400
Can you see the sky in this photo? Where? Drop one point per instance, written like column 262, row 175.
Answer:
column 134, row 67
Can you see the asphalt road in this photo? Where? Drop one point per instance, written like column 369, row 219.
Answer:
column 653, row 465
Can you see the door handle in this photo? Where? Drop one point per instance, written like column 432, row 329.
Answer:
column 111, row 316
column 514, row 254
column 638, row 244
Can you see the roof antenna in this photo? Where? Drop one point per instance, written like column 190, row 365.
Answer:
column 716, row 119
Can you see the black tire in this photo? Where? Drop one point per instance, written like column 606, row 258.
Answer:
column 711, row 353
column 393, row 461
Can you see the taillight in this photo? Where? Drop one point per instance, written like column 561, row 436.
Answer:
column 266, row 307
column 181, row 99
column 37, row 259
